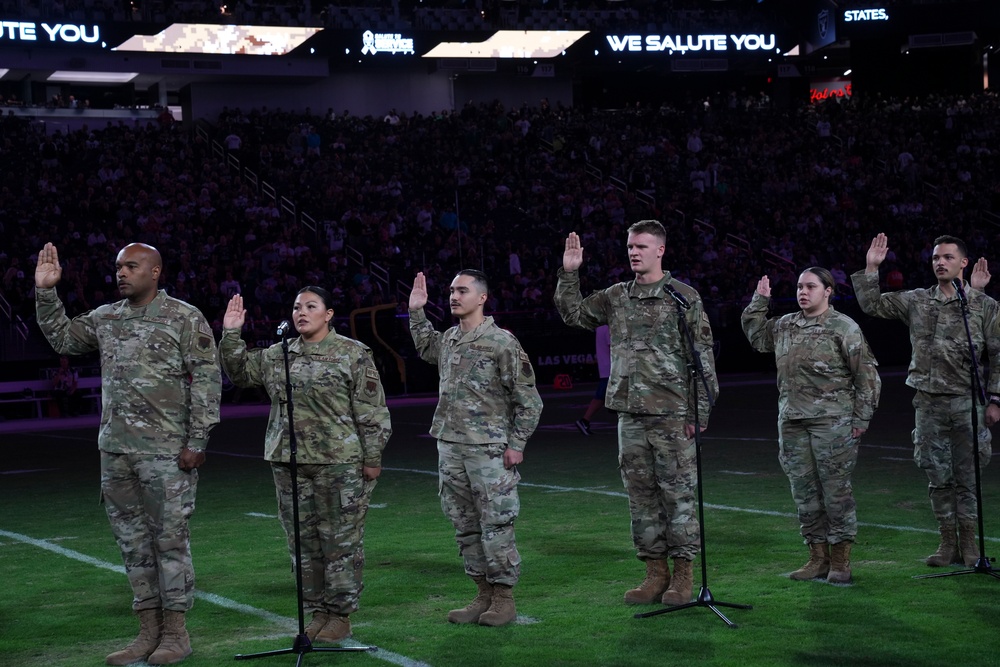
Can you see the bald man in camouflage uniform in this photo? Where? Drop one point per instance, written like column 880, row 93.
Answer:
column 653, row 390
column 341, row 427
column 160, row 398
column 940, row 372
column 487, row 410
column 828, row 389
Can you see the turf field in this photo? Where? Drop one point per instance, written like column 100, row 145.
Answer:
column 65, row 600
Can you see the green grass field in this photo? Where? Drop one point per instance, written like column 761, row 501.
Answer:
column 65, row 600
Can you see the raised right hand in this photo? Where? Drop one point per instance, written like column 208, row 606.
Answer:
column 48, row 271
column 236, row 314
column 573, row 255
column 418, row 295
column 764, row 287
column 876, row 253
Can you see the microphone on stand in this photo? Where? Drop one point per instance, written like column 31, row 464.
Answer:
column 957, row 284
column 678, row 297
column 283, row 328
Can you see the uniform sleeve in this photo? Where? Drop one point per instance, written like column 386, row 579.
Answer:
column 576, row 311
column 758, row 329
column 425, row 338
column 202, row 363
column 525, row 405
column 371, row 417
column 72, row 337
column 892, row 306
column 242, row 366
column 701, row 332
column 991, row 330
column 864, row 370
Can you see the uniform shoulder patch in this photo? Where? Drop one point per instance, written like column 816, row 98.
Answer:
column 372, row 373
column 205, row 328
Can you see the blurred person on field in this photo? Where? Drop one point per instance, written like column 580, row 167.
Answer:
column 653, row 390
column 341, row 427
column 828, row 390
column 940, row 372
column 487, row 410
column 64, row 386
column 160, row 395
column 602, row 351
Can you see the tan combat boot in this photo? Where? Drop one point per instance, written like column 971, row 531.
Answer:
column 680, row 584
column 840, row 563
column 337, row 628
column 947, row 551
column 175, row 645
column 501, row 611
column 319, row 619
column 818, row 564
column 472, row 611
column 150, row 629
column 653, row 586
column 967, row 541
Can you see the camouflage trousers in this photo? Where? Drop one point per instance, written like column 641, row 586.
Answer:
column 479, row 496
column 658, row 467
column 819, row 455
column 149, row 501
column 942, row 447
column 333, row 503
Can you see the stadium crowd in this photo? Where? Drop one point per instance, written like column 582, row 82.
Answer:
column 744, row 189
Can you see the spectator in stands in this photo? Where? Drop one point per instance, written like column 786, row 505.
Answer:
column 64, row 386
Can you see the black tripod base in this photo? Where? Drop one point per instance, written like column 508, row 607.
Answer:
column 300, row 647
column 983, row 566
column 704, row 599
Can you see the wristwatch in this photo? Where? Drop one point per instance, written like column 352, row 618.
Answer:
column 994, row 399
column 196, row 450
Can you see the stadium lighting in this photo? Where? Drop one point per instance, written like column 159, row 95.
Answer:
column 63, row 76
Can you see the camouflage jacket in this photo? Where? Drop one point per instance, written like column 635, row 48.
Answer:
column 487, row 385
column 650, row 358
column 825, row 367
column 339, row 411
column 160, row 380
column 940, row 361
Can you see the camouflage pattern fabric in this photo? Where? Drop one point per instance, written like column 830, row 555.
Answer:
column 819, row 455
column 480, row 498
column 340, row 413
column 333, row 503
column 825, row 366
column 828, row 383
column 655, row 393
column 942, row 447
column 940, row 370
column 160, row 391
column 657, row 464
column 650, row 371
column 160, row 381
column 149, row 501
column 487, row 388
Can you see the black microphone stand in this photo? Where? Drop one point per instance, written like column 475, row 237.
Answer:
column 983, row 563
column 301, row 644
column 705, row 598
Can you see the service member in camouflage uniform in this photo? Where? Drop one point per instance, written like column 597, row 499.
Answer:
column 487, row 409
column 341, row 427
column 940, row 372
column 653, row 390
column 828, row 389
column 160, row 398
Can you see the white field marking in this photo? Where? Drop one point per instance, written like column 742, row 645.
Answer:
column 281, row 621
column 261, row 515
column 621, row 494
column 894, row 447
column 378, row 506
column 737, row 472
column 26, row 472
column 894, row 458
